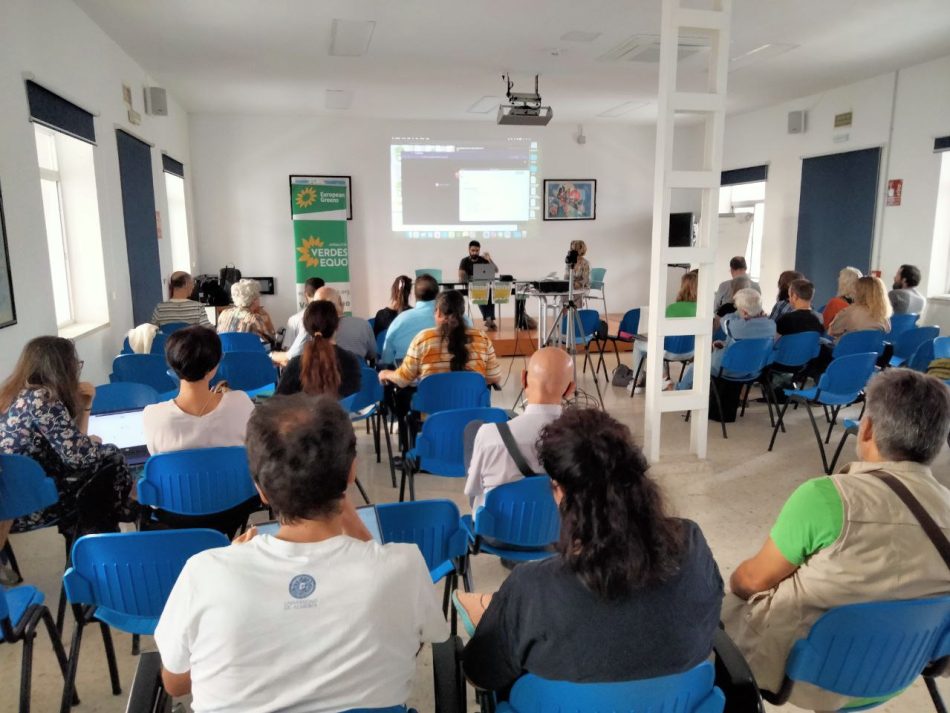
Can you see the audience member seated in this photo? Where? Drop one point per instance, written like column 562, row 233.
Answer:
column 352, row 334
column 848, row 538
column 782, row 304
column 801, row 317
column 742, row 282
column 309, row 619
column 180, row 307
column 408, row 324
column 684, row 306
column 247, row 314
column 846, row 281
column 737, row 268
column 44, row 414
column 905, row 297
column 581, row 273
column 632, row 592
column 398, row 303
column 749, row 322
column 295, row 322
column 870, row 310
column 547, row 381
column 198, row 417
column 324, row 367
column 449, row 346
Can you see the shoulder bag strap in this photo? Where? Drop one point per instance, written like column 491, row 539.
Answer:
column 931, row 528
column 516, row 455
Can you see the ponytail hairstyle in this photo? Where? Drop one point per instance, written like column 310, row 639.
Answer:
column 616, row 535
column 319, row 369
column 451, row 306
column 399, row 295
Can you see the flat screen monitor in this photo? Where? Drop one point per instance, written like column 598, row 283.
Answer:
column 681, row 230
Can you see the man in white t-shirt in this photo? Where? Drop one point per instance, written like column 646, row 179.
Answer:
column 309, row 619
column 547, row 381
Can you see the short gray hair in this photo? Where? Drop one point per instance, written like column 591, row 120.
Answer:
column 909, row 414
column 749, row 301
column 740, row 282
column 244, row 292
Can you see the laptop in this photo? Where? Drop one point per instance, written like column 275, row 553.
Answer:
column 483, row 271
column 123, row 429
column 367, row 513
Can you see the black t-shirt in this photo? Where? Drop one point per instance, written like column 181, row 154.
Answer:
column 544, row 621
column 383, row 319
column 468, row 264
column 350, row 374
column 799, row 320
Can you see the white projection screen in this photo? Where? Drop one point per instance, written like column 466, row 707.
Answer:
column 464, row 189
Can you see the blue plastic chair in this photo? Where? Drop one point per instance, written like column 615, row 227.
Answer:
column 519, row 521
column 908, row 341
column 367, row 403
column 597, row 275
column 123, row 396
column 922, row 356
column 432, row 271
column 629, row 325
column 241, row 342
column 863, row 342
column 692, row 691
column 793, row 351
column 850, row 428
column 123, row 580
column 250, row 371
column 439, row 449
column 840, row 386
column 451, row 390
column 190, row 488
column 681, row 346
column 148, row 369
column 158, row 344
column 21, row 611
column 870, row 650
column 171, row 327
column 942, row 348
column 743, row 363
column 586, row 327
column 900, row 323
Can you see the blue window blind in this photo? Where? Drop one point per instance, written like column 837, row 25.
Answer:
column 942, row 143
column 744, row 175
column 170, row 165
column 57, row 113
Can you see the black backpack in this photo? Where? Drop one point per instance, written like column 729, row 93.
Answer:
column 227, row 276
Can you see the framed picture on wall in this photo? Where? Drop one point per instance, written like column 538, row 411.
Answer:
column 331, row 181
column 570, row 198
column 7, row 307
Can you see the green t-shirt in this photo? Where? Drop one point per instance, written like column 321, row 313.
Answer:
column 811, row 519
column 681, row 309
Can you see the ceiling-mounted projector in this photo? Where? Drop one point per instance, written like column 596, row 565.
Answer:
column 525, row 109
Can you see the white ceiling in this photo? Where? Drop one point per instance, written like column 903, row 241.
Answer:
column 433, row 59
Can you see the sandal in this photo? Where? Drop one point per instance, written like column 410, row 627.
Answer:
column 463, row 614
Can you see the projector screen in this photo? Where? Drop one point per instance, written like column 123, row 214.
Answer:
column 464, row 189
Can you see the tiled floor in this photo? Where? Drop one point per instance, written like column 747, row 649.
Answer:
column 735, row 496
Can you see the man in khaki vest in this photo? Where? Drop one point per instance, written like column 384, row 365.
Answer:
column 848, row 538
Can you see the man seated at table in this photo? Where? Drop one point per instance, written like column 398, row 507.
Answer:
column 467, row 268
column 309, row 619
column 848, row 538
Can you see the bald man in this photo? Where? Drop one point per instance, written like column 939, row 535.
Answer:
column 353, row 334
column 548, row 380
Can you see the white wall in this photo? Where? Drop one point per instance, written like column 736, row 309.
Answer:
column 904, row 233
column 241, row 166
column 67, row 53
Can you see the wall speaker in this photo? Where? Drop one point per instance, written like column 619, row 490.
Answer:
column 156, row 101
column 797, row 122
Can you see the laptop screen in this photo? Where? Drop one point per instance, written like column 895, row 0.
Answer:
column 124, row 429
column 367, row 514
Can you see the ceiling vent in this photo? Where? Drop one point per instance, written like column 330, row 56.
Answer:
column 646, row 48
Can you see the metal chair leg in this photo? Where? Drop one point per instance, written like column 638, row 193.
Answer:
column 73, row 663
column 58, row 649
column 821, row 446
column 110, row 658
column 11, row 559
column 26, row 669
column 362, row 490
column 935, row 694
column 779, row 422
column 389, row 450
column 722, row 418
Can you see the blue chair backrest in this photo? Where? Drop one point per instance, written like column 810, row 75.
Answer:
column 197, row 482
column 123, row 396
column 158, row 344
column 24, row 487
column 942, row 348
column 241, row 342
column 126, row 347
column 922, row 356
column 747, row 357
column 148, row 369
column 451, row 390
column 868, row 340
column 692, row 691
column 900, row 323
column 630, row 323
column 4, row 611
column 845, row 377
column 246, row 370
column 871, row 649
column 131, row 574
column 433, row 271
column 684, row 344
column 380, row 341
column 597, row 275
column 907, row 342
column 432, row 525
column 797, row 349
column 370, row 393
column 521, row 513
column 439, row 448
column 172, row 327
column 587, row 322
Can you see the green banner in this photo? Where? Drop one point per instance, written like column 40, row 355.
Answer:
column 318, row 206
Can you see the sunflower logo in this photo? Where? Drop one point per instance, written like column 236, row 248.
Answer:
column 308, row 251
column 306, row 197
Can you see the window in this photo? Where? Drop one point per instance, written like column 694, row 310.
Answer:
column 747, row 198
column 939, row 282
column 178, row 222
column 73, row 235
